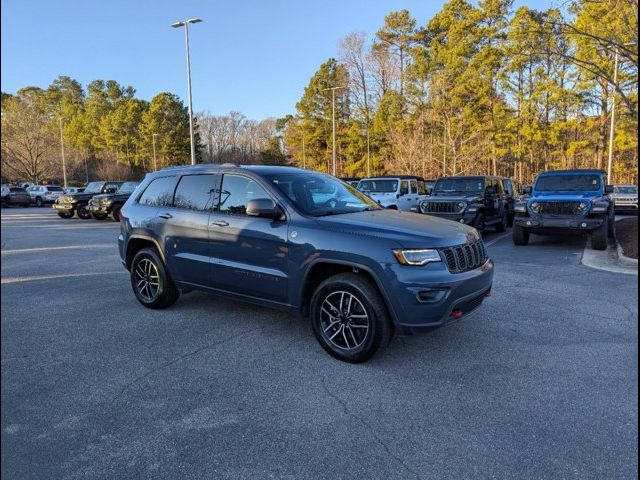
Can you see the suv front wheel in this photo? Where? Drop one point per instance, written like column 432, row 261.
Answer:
column 349, row 318
column 150, row 282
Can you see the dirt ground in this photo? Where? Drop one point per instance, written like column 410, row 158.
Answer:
column 627, row 233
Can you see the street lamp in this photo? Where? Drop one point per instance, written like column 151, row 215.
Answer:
column 613, row 111
column 333, row 115
column 185, row 24
column 64, row 166
column 153, row 141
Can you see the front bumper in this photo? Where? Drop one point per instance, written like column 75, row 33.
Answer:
column 430, row 297
column 468, row 218
column 559, row 223
column 64, row 207
column 626, row 206
column 99, row 209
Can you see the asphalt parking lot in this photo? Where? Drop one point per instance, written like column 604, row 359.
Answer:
column 541, row 382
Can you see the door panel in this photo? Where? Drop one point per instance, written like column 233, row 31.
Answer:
column 248, row 254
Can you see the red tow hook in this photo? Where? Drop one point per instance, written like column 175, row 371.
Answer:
column 456, row 314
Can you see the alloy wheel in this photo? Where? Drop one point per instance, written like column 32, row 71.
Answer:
column 344, row 320
column 147, row 280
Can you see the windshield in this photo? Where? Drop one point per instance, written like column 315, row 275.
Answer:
column 318, row 194
column 627, row 190
column 565, row 183
column 459, row 185
column 127, row 187
column 93, row 187
column 378, row 186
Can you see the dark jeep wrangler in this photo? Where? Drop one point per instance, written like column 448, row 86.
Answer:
column 566, row 201
column 68, row 204
column 105, row 204
column 476, row 201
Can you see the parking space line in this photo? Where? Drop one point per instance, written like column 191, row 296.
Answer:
column 36, row 278
column 66, row 247
column 496, row 240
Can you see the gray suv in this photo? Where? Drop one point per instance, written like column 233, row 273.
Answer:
column 272, row 236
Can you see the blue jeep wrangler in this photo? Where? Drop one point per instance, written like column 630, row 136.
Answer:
column 566, row 201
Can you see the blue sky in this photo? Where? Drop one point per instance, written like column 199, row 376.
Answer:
column 248, row 55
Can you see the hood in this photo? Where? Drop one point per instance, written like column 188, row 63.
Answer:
column 76, row 196
column 472, row 197
column 562, row 197
column 410, row 230
column 112, row 196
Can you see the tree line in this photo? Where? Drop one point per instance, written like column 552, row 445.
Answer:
column 478, row 89
column 108, row 133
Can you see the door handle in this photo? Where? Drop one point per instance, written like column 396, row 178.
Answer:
column 165, row 215
column 220, row 223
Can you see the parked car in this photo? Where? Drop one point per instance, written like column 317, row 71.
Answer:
column 625, row 198
column 353, row 181
column 72, row 190
column 105, row 204
column 17, row 196
column 513, row 191
column 43, row 194
column 261, row 234
column 478, row 201
column 566, row 201
column 66, row 205
column 399, row 192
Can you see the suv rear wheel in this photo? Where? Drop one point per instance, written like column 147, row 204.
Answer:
column 502, row 225
column 150, row 281
column 115, row 213
column 349, row 318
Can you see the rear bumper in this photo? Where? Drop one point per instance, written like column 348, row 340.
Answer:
column 431, row 301
column 570, row 223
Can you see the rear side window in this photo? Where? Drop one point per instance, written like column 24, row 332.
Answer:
column 404, row 187
column 196, row 192
column 54, row 189
column 159, row 193
column 236, row 192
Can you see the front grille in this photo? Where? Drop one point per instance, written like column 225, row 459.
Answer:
column 432, row 206
column 559, row 208
column 465, row 257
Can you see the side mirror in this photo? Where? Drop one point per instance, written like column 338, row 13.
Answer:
column 263, row 208
column 526, row 190
column 608, row 189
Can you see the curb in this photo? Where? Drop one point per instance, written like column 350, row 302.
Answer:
column 624, row 260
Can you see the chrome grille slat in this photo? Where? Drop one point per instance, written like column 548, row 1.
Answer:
column 432, row 206
column 463, row 258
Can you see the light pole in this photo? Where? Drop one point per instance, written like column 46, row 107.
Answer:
column 613, row 112
column 333, row 116
column 153, row 141
column 64, row 165
column 185, row 24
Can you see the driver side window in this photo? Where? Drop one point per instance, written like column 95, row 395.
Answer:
column 236, row 192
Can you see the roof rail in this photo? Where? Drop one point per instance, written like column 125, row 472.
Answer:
column 228, row 164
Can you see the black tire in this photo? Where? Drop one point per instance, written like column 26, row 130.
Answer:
column 612, row 227
column 520, row 235
column 115, row 213
column 511, row 217
column 83, row 212
column 480, row 223
column 65, row 214
column 39, row 202
column 392, row 207
column 502, row 225
column 365, row 301
column 162, row 295
column 99, row 216
column 600, row 236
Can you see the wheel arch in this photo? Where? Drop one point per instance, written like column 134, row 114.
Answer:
column 137, row 243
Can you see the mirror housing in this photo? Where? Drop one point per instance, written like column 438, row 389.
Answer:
column 608, row 189
column 264, row 208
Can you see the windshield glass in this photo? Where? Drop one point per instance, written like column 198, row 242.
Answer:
column 459, row 185
column 564, row 183
column 629, row 190
column 127, row 187
column 378, row 186
column 318, row 194
column 93, row 187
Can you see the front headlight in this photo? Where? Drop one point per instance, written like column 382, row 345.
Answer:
column 417, row 256
column 461, row 205
column 535, row 207
column 582, row 207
